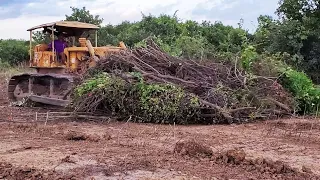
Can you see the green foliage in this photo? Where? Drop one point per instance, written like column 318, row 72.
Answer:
column 165, row 27
column 39, row 37
column 296, row 9
column 191, row 28
column 84, row 15
column 133, row 34
column 262, row 35
column 159, row 103
column 14, row 52
column 304, row 91
column 107, row 36
column 248, row 56
column 192, row 47
column 104, row 88
column 187, row 39
column 165, row 103
column 224, row 38
column 270, row 65
column 92, row 84
column 297, row 33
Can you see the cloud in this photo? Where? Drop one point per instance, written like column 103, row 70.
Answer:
column 17, row 16
column 16, row 28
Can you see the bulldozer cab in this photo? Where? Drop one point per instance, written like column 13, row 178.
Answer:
column 49, row 58
column 52, row 57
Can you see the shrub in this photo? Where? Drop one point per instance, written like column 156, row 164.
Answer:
column 305, row 92
column 165, row 103
column 157, row 103
column 14, row 51
column 270, row 65
column 192, row 47
column 248, row 56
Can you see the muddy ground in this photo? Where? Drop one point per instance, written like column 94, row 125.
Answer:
column 33, row 148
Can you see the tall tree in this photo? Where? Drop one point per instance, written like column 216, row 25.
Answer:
column 84, row 15
column 81, row 15
column 305, row 15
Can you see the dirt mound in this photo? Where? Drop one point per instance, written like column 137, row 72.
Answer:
column 79, row 136
column 235, row 156
column 164, row 88
column 192, row 148
column 262, row 165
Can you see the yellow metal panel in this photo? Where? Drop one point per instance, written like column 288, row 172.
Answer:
column 73, row 61
column 80, row 55
column 76, row 49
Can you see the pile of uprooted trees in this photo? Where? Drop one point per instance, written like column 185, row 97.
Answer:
column 146, row 84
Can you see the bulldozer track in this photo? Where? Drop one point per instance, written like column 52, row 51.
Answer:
column 51, row 89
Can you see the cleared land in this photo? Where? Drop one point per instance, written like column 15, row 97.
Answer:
column 69, row 149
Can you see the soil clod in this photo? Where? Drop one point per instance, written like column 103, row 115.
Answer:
column 192, row 148
column 76, row 136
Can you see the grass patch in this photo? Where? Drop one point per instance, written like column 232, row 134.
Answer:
column 7, row 70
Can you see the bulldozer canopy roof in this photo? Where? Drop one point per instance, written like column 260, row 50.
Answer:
column 68, row 28
column 67, row 24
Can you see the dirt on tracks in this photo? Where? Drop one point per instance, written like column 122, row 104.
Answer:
column 68, row 149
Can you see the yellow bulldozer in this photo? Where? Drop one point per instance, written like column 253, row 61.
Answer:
column 52, row 81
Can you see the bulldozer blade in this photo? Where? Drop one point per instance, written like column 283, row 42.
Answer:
column 49, row 101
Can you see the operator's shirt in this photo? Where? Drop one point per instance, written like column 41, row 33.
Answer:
column 58, row 46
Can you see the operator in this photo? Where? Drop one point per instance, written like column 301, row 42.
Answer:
column 59, row 46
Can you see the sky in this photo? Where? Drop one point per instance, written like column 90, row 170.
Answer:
column 16, row 16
